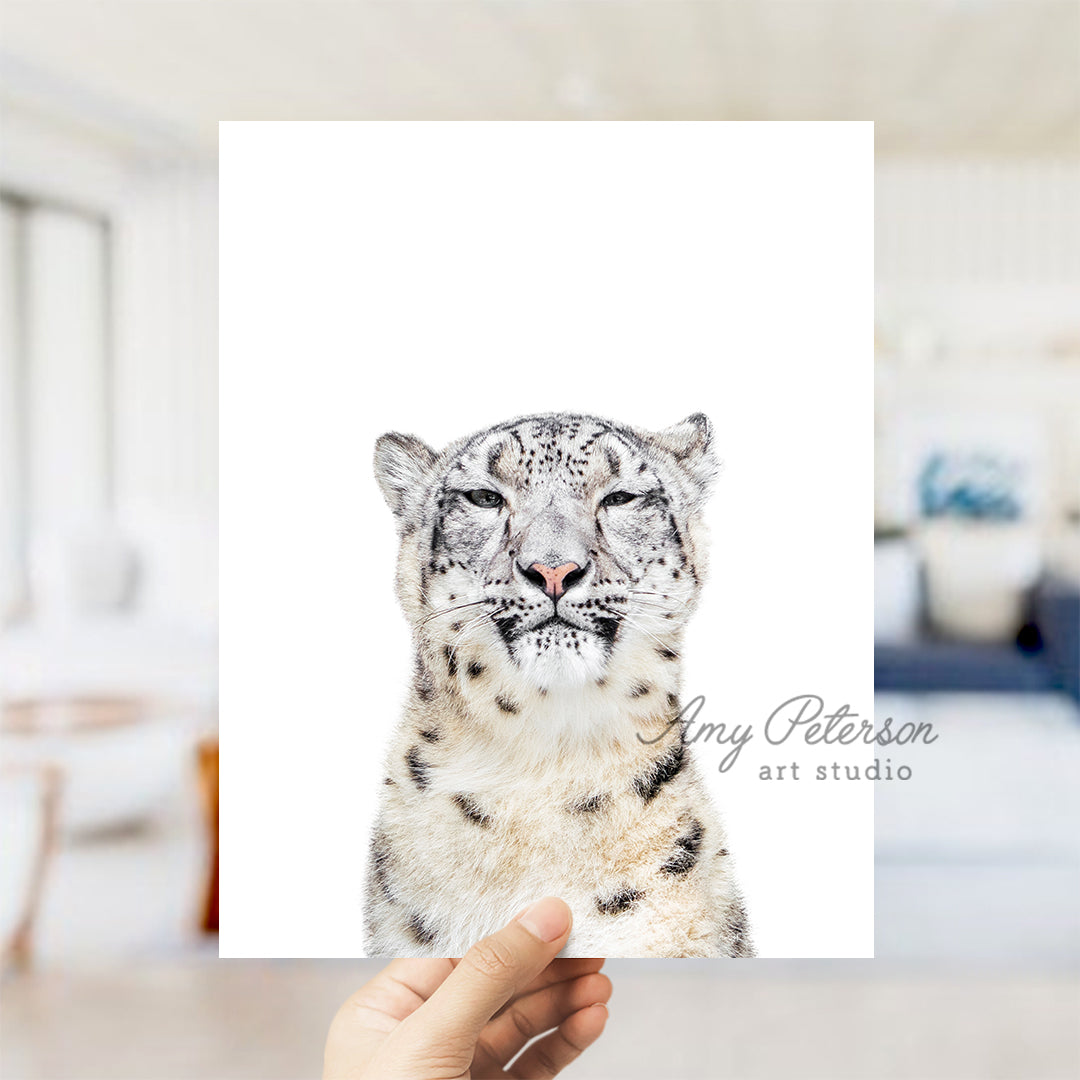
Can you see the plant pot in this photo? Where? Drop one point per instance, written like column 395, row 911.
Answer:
column 978, row 574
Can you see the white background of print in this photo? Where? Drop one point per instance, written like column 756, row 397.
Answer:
column 439, row 277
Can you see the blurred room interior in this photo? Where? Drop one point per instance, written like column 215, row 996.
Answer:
column 108, row 508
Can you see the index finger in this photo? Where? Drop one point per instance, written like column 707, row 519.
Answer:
column 494, row 970
column 561, row 969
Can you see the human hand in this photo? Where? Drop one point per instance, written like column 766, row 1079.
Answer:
column 442, row 1019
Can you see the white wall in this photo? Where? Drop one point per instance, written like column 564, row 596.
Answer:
column 166, row 381
column 984, row 255
column 166, row 364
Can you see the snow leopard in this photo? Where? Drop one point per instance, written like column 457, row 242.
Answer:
column 547, row 567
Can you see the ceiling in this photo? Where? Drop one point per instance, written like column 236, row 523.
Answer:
column 949, row 77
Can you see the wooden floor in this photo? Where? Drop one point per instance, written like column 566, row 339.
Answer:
column 228, row 1020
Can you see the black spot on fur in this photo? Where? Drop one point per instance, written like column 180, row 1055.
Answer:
column 738, row 931
column 425, row 687
column 668, row 654
column 612, row 460
column 640, row 690
column 451, row 663
column 421, row 934
column 475, row 669
column 687, row 851
column 418, row 769
column 606, row 629
column 662, row 771
column 590, row 804
column 507, row 706
column 389, row 781
column 379, row 865
column 431, row 735
column 380, row 852
column 493, row 459
column 673, row 700
column 618, row 902
column 468, row 806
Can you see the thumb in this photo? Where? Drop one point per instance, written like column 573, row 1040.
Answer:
column 491, row 972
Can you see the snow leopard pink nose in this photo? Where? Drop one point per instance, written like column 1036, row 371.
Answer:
column 554, row 581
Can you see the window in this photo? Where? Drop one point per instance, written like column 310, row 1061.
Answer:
column 55, row 381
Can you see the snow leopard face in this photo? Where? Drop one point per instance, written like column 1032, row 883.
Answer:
column 550, row 542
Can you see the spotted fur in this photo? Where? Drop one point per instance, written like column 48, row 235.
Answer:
column 538, row 754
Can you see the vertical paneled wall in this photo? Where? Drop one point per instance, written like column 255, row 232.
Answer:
column 166, row 392
column 985, row 254
column 166, row 381
column 988, row 222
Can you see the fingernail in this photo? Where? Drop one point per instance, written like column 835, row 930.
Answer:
column 547, row 919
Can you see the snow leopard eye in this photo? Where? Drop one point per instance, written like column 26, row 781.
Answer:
column 484, row 497
column 617, row 498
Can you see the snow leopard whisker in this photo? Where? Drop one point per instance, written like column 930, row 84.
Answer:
column 646, row 603
column 631, row 622
column 476, row 620
column 652, row 604
column 446, row 611
column 456, row 640
column 646, row 607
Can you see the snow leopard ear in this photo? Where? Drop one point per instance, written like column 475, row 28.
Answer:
column 691, row 444
column 402, row 463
